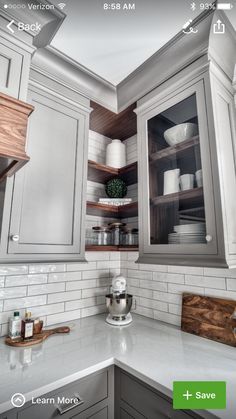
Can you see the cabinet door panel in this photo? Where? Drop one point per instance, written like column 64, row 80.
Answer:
column 47, row 200
column 10, row 70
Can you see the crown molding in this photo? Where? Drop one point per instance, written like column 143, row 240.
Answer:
column 60, row 68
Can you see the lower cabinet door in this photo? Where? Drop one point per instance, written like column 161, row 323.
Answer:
column 127, row 412
column 96, row 412
column 135, row 399
column 93, row 391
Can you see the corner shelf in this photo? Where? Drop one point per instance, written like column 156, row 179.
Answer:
column 95, row 248
column 104, row 210
column 101, row 173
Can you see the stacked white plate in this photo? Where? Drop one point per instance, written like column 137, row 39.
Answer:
column 188, row 234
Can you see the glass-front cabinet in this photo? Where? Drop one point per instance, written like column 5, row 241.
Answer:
column 177, row 209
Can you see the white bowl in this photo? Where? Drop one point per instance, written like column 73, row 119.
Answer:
column 181, row 132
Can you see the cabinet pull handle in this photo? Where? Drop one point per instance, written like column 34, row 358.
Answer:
column 208, row 238
column 66, row 407
column 15, row 237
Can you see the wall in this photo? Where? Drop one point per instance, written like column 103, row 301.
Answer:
column 158, row 288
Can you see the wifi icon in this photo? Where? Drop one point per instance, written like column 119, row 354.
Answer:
column 61, row 5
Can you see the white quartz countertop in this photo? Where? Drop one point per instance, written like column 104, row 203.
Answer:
column 152, row 351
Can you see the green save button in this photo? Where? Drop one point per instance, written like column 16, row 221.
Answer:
column 199, row 394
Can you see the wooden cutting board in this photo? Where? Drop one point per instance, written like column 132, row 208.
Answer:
column 209, row 317
column 37, row 338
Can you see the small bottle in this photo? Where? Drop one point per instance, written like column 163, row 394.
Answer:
column 27, row 328
column 15, row 326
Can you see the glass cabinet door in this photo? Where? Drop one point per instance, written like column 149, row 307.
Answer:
column 176, row 204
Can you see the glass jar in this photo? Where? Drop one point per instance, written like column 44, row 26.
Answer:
column 116, row 232
column 130, row 237
column 103, row 235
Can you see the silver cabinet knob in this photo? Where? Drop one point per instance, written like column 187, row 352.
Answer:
column 15, row 237
column 208, row 238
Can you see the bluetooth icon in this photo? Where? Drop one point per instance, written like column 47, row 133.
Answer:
column 193, row 6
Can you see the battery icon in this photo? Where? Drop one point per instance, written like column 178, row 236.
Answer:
column 224, row 6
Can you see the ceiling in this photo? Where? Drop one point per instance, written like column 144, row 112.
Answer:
column 112, row 44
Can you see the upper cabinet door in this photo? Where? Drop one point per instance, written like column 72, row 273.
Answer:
column 10, row 69
column 48, row 206
column 177, row 205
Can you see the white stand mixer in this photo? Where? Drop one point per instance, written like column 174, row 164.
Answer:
column 119, row 303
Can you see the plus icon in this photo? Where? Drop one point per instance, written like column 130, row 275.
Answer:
column 187, row 395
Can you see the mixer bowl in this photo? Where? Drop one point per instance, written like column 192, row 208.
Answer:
column 119, row 306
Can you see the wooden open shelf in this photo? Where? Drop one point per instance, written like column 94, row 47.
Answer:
column 101, row 173
column 95, row 248
column 104, row 210
column 174, row 151
column 193, row 196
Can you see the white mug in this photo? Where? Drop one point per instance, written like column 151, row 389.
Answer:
column 186, row 182
column 171, row 181
column 198, row 176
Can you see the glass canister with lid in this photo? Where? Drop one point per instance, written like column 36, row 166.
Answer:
column 103, row 235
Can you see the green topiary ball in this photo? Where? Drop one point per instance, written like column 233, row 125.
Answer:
column 116, row 188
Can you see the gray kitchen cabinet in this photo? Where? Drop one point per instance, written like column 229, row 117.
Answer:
column 137, row 400
column 186, row 160
column 95, row 392
column 48, row 204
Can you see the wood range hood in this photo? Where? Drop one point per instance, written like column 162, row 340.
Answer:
column 13, row 127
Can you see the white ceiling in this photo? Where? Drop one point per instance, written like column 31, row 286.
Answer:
column 114, row 43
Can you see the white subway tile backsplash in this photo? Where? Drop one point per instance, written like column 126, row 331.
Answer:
column 17, row 280
column 205, row 281
column 1, row 305
column 135, row 273
column 46, row 268
column 63, row 317
column 64, row 276
column 85, row 302
column 93, row 292
column 154, row 304
column 191, row 270
column 167, row 317
column 48, row 309
column 168, row 297
column 140, row 292
column 1, row 281
column 77, row 285
column 17, row 303
column 175, row 309
column 12, row 292
column 153, row 285
column 220, row 293
column 76, row 267
column 92, row 311
column 45, row 288
column 64, row 296
column 168, row 277
column 231, row 284
column 13, row 269
column 153, row 268
column 101, row 273
column 229, row 273
column 177, row 288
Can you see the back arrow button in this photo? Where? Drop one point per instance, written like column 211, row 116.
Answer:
column 9, row 26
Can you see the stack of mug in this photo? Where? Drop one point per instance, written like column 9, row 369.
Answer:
column 173, row 182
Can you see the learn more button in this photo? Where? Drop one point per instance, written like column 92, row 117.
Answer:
column 199, row 394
